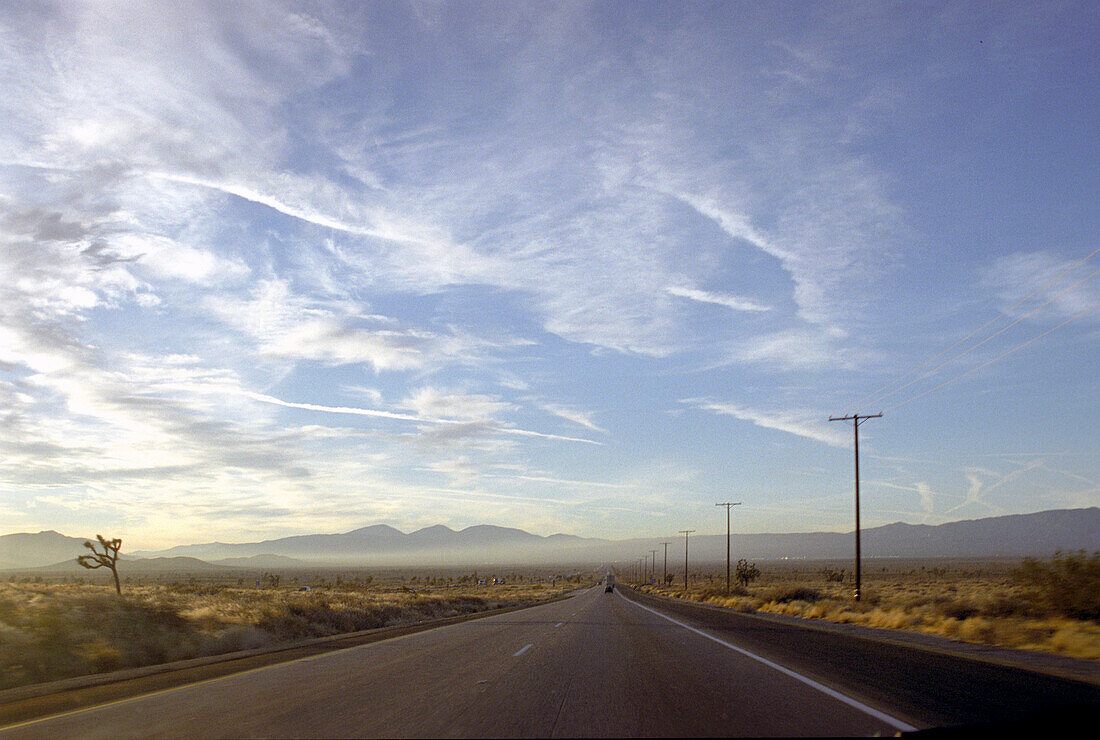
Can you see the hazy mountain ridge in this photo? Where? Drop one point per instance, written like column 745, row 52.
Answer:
column 26, row 550
column 1015, row 535
column 134, row 566
column 381, row 545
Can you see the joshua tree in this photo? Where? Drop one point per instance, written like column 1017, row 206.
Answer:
column 106, row 559
column 746, row 572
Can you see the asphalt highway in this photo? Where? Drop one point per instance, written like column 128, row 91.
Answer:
column 597, row 664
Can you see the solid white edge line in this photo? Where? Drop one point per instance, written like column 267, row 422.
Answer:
column 523, row 650
column 897, row 724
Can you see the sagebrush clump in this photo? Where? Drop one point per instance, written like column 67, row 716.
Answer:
column 1068, row 584
column 1051, row 605
column 50, row 631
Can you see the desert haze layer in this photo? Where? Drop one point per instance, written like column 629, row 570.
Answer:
column 1019, row 535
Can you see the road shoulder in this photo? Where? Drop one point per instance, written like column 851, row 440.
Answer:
column 1060, row 666
column 25, row 703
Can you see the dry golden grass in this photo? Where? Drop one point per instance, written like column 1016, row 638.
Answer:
column 989, row 605
column 50, row 631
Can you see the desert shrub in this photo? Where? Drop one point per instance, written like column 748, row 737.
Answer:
column 746, row 572
column 241, row 637
column 786, row 594
column 51, row 631
column 833, row 575
column 957, row 608
column 101, row 656
column 735, row 590
column 1001, row 606
column 467, row 603
column 8, row 610
column 1067, row 583
column 429, row 606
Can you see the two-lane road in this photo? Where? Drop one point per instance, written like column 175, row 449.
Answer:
column 597, row 664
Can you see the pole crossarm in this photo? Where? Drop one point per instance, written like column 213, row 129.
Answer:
column 856, row 420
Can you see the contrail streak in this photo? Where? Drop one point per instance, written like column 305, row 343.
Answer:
column 405, row 417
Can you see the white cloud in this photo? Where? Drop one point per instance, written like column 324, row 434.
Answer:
column 577, row 416
column 429, row 402
column 449, row 428
column 214, row 199
column 737, row 303
column 801, row 423
column 166, row 258
column 927, row 497
column 795, row 349
column 337, row 342
column 1023, row 282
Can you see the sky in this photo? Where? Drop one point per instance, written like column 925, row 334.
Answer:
column 279, row 268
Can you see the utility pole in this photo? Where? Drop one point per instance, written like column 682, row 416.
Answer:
column 856, row 420
column 728, row 505
column 654, row 553
column 664, row 574
column 685, row 533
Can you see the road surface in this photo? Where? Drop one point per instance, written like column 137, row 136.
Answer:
column 597, row 664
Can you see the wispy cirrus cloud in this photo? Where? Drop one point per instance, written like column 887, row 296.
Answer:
column 800, row 423
column 460, row 426
column 795, row 349
column 521, row 227
column 737, row 303
column 1066, row 286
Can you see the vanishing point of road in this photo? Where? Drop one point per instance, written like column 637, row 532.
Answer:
column 596, row 664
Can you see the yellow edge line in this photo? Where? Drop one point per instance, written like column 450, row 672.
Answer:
column 160, row 692
column 204, row 682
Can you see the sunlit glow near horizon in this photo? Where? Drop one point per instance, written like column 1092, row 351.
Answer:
column 273, row 269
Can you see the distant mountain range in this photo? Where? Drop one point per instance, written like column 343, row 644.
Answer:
column 383, row 545
column 24, row 550
column 1016, row 535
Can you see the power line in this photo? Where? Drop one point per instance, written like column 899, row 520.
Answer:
column 991, row 336
column 995, row 359
column 1004, row 313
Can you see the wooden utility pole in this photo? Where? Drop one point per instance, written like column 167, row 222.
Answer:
column 664, row 574
column 728, row 505
column 654, row 564
column 685, row 533
column 856, row 420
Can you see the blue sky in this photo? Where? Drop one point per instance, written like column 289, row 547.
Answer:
column 572, row 267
